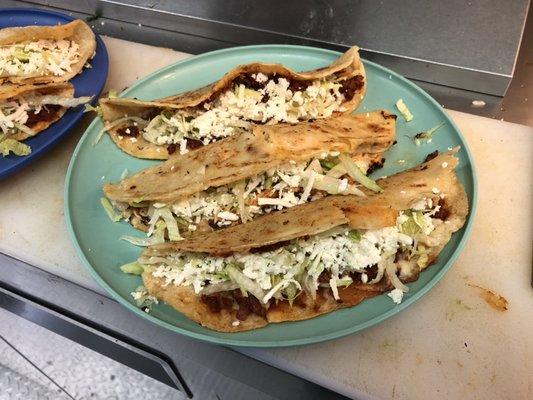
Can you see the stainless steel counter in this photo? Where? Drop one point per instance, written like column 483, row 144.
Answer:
column 457, row 51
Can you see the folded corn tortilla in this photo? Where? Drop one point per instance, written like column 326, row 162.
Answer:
column 247, row 94
column 238, row 169
column 27, row 110
column 420, row 208
column 77, row 36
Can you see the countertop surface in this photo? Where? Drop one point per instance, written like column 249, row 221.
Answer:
column 450, row 344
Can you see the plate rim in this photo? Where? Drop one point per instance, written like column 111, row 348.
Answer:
column 45, row 148
column 466, row 229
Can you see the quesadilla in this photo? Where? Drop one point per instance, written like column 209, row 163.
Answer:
column 237, row 179
column 29, row 109
column 44, row 54
column 314, row 258
column 257, row 93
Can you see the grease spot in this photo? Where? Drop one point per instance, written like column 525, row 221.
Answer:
column 457, row 306
column 493, row 299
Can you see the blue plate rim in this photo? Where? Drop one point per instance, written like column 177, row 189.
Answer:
column 41, row 150
column 465, row 231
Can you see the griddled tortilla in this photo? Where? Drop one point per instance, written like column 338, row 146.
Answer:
column 266, row 146
column 234, row 173
column 77, row 31
column 348, row 68
column 47, row 116
column 377, row 210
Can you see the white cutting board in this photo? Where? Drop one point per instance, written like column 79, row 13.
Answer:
column 451, row 344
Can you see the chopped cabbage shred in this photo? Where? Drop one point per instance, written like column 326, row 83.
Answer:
column 57, row 100
column 8, row 145
column 113, row 215
column 134, row 268
column 157, row 237
column 284, row 273
column 355, row 172
column 402, row 107
column 143, row 299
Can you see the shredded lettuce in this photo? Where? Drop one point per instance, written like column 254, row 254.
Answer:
column 355, row 235
column 426, row 135
column 124, row 174
column 143, row 299
column 355, row 172
column 402, row 107
column 90, row 108
column 134, row 268
column 171, row 223
column 328, row 164
column 111, row 212
column 415, row 224
column 157, row 238
column 112, row 94
column 423, row 257
column 337, row 171
column 25, row 129
column 245, row 284
column 58, row 100
column 13, row 146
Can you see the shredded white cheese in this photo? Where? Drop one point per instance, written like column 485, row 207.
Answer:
column 38, row 58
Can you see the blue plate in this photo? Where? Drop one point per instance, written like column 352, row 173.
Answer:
column 96, row 238
column 89, row 83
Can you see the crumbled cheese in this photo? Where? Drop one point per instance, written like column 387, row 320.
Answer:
column 343, row 185
column 435, row 190
column 38, row 58
column 229, row 216
column 444, row 164
column 235, row 109
column 236, row 323
column 335, row 252
column 275, row 189
column 396, row 295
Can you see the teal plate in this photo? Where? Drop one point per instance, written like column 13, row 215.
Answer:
column 96, row 238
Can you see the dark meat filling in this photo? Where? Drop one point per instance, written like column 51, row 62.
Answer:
column 47, row 113
column 226, row 300
column 269, row 247
column 249, row 82
column 191, row 145
column 130, row 131
column 351, row 86
column 171, row 148
column 348, row 89
column 375, row 166
column 371, row 273
column 443, row 212
column 431, row 156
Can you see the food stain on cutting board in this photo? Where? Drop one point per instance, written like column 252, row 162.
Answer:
column 456, row 307
column 493, row 299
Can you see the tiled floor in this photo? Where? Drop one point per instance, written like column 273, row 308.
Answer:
column 82, row 373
